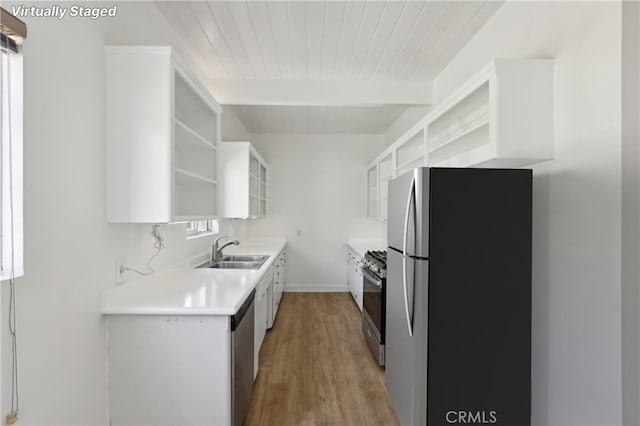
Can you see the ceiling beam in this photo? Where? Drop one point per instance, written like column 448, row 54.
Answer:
column 330, row 93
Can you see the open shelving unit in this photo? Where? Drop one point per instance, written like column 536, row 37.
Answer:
column 257, row 186
column 386, row 173
column 411, row 154
column 501, row 117
column 372, row 191
column 163, row 129
column 243, row 192
column 195, row 140
column 262, row 209
column 461, row 133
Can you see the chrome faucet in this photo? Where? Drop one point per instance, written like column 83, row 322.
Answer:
column 216, row 250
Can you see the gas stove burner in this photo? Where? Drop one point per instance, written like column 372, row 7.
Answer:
column 379, row 255
column 376, row 261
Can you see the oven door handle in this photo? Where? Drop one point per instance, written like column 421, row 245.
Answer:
column 370, row 277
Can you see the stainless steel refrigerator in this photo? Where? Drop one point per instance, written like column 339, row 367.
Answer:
column 458, row 326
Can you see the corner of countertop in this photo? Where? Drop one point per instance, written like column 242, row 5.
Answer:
column 362, row 245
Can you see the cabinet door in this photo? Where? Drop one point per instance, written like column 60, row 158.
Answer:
column 260, row 328
column 359, row 288
column 283, row 269
column 353, row 277
column 349, row 267
column 269, row 298
column 277, row 281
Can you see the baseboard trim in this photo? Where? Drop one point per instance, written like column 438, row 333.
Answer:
column 315, row 288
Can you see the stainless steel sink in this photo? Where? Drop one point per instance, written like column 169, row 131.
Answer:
column 237, row 262
column 244, row 258
column 236, row 265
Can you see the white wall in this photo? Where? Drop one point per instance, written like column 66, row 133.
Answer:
column 317, row 186
column 577, row 203
column 70, row 250
column 232, row 127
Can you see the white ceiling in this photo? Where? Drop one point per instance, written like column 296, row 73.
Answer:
column 391, row 49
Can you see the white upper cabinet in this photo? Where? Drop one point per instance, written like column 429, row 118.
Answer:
column 372, row 191
column 411, row 153
column 502, row 117
column 386, row 172
column 163, row 130
column 243, row 188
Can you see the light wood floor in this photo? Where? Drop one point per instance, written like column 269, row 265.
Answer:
column 315, row 367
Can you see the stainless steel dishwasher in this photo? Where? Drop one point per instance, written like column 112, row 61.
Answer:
column 242, row 341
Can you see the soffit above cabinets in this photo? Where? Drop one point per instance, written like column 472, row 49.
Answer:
column 317, row 119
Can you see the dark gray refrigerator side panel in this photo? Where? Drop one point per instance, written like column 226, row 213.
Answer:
column 401, row 193
column 479, row 314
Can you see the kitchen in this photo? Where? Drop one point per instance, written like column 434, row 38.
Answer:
column 584, row 333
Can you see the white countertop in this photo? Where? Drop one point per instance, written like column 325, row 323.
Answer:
column 188, row 291
column 361, row 246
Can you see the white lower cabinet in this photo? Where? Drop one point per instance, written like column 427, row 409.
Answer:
column 261, row 315
column 354, row 277
column 166, row 370
column 278, row 287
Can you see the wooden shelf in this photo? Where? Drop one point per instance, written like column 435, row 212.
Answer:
column 188, row 138
column 189, row 218
column 185, row 177
column 473, row 124
column 406, row 163
column 467, row 158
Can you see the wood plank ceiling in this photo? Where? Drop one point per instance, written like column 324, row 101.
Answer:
column 374, row 42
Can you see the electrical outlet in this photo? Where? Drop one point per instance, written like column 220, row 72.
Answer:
column 120, row 271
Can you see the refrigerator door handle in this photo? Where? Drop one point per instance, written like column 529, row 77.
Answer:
column 404, row 255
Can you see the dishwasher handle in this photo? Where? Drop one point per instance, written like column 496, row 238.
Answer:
column 237, row 317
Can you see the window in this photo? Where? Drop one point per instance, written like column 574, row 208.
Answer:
column 11, row 251
column 199, row 228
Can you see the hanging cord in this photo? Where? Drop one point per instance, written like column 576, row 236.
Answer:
column 158, row 245
column 15, row 399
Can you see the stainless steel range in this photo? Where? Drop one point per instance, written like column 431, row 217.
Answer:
column 374, row 272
